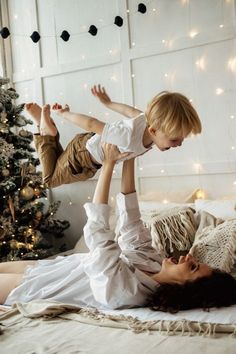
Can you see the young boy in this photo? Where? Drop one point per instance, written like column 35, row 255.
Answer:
column 168, row 120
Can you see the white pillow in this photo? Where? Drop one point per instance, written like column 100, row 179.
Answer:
column 224, row 209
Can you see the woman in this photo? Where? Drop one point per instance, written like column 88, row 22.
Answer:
column 113, row 275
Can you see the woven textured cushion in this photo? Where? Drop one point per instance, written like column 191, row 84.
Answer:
column 216, row 246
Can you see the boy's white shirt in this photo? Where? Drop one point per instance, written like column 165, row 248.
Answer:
column 110, row 276
column 127, row 134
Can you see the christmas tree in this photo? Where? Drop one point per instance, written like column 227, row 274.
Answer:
column 26, row 230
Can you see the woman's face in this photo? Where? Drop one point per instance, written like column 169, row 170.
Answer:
column 186, row 269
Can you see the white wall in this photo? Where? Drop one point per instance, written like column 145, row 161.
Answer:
column 182, row 45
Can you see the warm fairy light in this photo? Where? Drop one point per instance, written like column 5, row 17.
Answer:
column 110, row 51
column 197, row 167
column 16, row 16
column 114, row 171
column 200, row 194
column 90, row 112
column 219, row 91
column 154, row 10
column 133, row 44
column 232, row 147
column 193, row 33
column 85, row 86
column 184, row 2
column 89, row 197
column 113, row 78
column 166, row 75
column 234, row 183
column 165, row 201
column 162, row 171
column 232, row 116
column 191, row 100
column 163, row 41
column 133, row 75
column 232, row 64
column 83, row 56
column 127, row 11
column 70, row 203
column 200, row 63
column 140, row 168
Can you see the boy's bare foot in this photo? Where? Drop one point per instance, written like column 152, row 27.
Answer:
column 34, row 110
column 47, row 126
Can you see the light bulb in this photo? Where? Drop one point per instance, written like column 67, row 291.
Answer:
column 193, row 33
column 165, row 201
column 219, row 91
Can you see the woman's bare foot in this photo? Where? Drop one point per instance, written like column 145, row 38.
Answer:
column 34, row 110
column 47, row 126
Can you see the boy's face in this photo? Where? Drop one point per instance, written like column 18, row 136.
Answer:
column 163, row 142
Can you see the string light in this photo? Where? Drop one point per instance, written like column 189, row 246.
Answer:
column 219, row 91
column 193, row 33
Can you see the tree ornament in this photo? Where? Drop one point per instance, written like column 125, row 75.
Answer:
column 5, row 32
column 118, row 21
column 93, row 30
column 25, row 133
column 38, row 215
column 2, row 232
column 35, row 36
column 5, row 172
column 142, row 8
column 12, row 208
column 65, row 35
column 27, row 193
column 37, row 192
column 3, row 117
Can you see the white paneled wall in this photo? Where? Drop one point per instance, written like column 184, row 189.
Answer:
column 180, row 45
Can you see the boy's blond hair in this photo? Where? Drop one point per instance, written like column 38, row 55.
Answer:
column 173, row 114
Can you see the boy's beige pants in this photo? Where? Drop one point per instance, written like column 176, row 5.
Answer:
column 69, row 166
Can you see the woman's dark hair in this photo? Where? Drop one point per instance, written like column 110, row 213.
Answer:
column 217, row 290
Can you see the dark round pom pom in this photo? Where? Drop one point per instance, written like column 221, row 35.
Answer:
column 118, row 21
column 93, row 30
column 142, row 8
column 65, row 36
column 5, row 32
column 35, row 36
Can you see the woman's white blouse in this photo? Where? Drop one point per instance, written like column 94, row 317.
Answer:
column 111, row 275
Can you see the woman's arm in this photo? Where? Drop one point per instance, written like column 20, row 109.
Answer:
column 111, row 155
column 124, row 109
column 128, row 181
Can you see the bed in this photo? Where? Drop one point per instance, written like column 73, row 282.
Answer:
column 51, row 327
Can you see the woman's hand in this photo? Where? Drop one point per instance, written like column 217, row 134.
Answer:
column 101, row 94
column 112, row 153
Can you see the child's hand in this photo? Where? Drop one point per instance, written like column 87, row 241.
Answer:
column 112, row 153
column 59, row 109
column 101, row 94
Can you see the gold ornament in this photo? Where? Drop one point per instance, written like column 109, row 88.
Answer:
column 27, row 193
column 11, row 207
column 31, row 168
column 24, row 133
column 5, row 172
column 38, row 215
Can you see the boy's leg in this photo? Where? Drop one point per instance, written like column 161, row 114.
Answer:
column 35, row 112
column 8, row 282
column 47, row 144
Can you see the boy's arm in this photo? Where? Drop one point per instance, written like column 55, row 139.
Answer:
column 85, row 122
column 124, row 109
